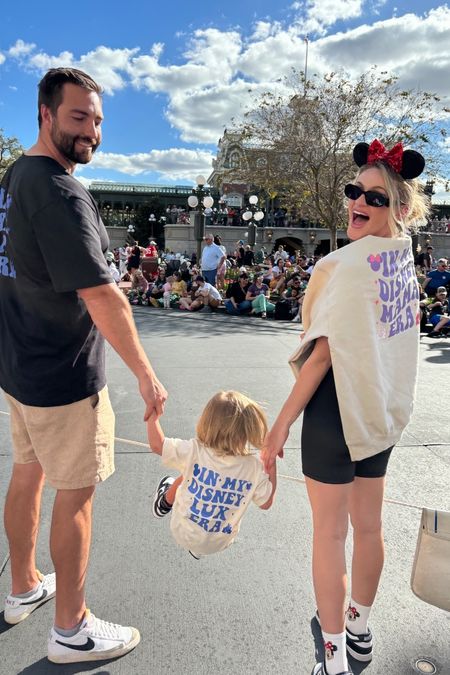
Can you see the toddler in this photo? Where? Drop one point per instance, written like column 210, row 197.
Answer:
column 221, row 475
column 167, row 292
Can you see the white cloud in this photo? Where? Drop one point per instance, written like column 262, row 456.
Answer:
column 12, row 87
column 221, row 73
column 84, row 181
column 2, row 58
column 320, row 14
column 20, row 49
column 43, row 62
column 172, row 164
column 263, row 29
column 416, row 48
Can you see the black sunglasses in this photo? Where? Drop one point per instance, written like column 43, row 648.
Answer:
column 372, row 198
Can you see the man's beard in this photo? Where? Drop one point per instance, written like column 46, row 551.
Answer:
column 65, row 143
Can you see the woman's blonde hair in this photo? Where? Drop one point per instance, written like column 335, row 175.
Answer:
column 231, row 424
column 408, row 204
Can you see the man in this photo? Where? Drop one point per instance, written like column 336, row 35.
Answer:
column 438, row 277
column 212, row 258
column 206, row 296
column 425, row 260
column 54, row 316
column 249, row 256
column 281, row 253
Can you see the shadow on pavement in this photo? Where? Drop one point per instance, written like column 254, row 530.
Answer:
column 437, row 350
column 45, row 667
column 154, row 322
column 4, row 627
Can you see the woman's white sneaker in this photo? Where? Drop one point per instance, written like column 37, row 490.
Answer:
column 18, row 609
column 95, row 641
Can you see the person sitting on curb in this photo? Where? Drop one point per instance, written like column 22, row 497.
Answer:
column 155, row 293
column 295, row 293
column 139, row 286
column 258, row 294
column 278, row 283
column 438, row 277
column 236, row 302
column 438, row 316
column 179, row 288
column 207, row 297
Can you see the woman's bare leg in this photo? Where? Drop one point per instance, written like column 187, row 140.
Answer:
column 330, row 509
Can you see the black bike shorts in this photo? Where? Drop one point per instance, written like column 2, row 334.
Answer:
column 325, row 455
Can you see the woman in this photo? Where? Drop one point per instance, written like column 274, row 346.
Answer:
column 235, row 302
column 134, row 259
column 356, row 389
column 258, row 294
column 278, row 282
column 221, row 271
column 157, row 290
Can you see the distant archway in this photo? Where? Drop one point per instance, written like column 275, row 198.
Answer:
column 291, row 244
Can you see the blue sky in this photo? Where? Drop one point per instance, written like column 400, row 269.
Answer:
column 175, row 73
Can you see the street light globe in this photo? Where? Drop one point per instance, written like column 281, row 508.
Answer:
column 200, row 180
column 253, row 199
column 192, row 201
column 247, row 215
column 208, row 201
column 259, row 215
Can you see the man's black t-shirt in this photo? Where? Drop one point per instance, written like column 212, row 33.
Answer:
column 52, row 242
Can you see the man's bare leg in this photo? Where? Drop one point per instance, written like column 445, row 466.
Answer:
column 70, row 540
column 22, row 511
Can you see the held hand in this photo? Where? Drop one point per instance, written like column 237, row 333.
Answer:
column 154, row 395
column 273, row 445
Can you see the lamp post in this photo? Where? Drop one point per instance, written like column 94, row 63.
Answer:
column 252, row 216
column 306, row 41
column 200, row 198
column 152, row 221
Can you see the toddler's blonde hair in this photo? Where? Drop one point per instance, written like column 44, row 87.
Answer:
column 231, row 424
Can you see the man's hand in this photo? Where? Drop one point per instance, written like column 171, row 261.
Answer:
column 154, row 395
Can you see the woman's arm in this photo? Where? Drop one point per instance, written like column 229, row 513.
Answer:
column 310, row 376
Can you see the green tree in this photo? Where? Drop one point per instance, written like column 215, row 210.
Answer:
column 10, row 150
column 299, row 146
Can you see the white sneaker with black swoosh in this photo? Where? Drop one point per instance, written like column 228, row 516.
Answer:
column 95, row 641
column 18, row 609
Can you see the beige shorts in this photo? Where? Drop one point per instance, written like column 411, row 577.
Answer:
column 74, row 444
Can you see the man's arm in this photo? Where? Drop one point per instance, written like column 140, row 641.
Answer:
column 111, row 313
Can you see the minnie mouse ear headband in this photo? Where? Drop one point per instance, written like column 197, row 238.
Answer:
column 407, row 163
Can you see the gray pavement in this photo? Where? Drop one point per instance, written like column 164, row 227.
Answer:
column 249, row 609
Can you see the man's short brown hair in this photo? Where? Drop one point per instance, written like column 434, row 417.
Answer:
column 51, row 85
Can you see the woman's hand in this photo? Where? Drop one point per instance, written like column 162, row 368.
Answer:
column 274, row 445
